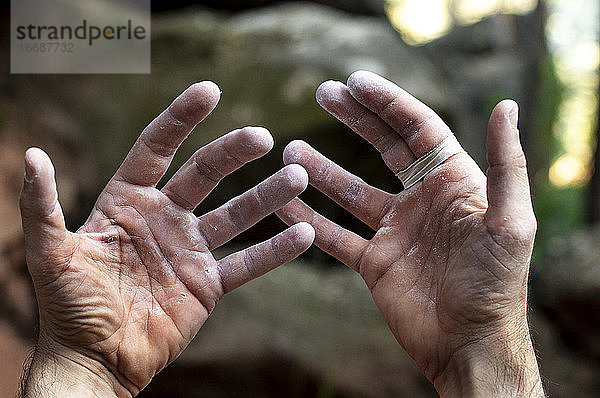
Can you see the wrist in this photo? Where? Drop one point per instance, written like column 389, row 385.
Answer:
column 492, row 367
column 56, row 371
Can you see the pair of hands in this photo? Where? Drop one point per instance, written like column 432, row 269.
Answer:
column 448, row 265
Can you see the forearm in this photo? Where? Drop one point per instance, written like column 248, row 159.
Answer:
column 493, row 368
column 53, row 374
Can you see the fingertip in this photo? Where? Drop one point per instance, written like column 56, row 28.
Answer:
column 37, row 163
column 361, row 74
column 328, row 91
column 297, row 177
column 208, row 89
column 360, row 78
column 196, row 102
column 305, row 232
column 503, row 143
column 507, row 106
column 506, row 111
column 292, row 152
column 258, row 140
column 38, row 200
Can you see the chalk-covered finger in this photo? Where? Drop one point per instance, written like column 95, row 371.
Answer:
column 243, row 266
column 349, row 191
column 344, row 245
column 507, row 181
column 335, row 98
column 203, row 171
column 153, row 151
column 41, row 214
column 420, row 127
column 242, row 212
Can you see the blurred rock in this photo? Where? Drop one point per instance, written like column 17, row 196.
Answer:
column 565, row 373
column 368, row 7
column 302, row 329
column 14, row 350
column 268, row 63
column 567, row 288
column 313, row 325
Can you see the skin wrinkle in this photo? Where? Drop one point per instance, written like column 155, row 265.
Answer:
column 384, row 212
column 46, row 214
column 232, row 154
column 208, row 170
column 352, row 193
column 430, row 253
column 495, row 239
column 80, row 363
column 179, row 200
column 208, row 241
column 358, row 120
column 160, row 252
column 518, row 161
column 112, row 370
column 386, row 142
column 154, row 301
column 159, row 149
column 521, row 232
column 323, row 174
column 334, row 239
column 499, row 247
column 234, row 216
column 247, row 258
column 67, row 262
column 373, row 285
column 388, row 158
column 490, row 270
column 148, row 254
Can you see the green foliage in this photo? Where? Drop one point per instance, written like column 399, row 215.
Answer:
column 550, row 95
column 559, row 212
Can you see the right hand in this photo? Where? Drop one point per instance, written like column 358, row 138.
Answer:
column 123, row 296
column 449, row 260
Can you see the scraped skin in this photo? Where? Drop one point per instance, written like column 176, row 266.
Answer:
column 124, row 295
column 448, row 264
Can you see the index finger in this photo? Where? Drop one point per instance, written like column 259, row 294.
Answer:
column 151, row 155
column 415, row 122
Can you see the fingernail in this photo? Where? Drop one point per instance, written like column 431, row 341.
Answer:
column 513, row 117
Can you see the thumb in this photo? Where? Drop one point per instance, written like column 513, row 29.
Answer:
column 41, row 214
column 510, row 209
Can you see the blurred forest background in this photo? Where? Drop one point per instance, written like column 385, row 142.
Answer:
column 310, row 329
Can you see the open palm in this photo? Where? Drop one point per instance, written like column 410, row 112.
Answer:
column 449, row 260
column 126, row 293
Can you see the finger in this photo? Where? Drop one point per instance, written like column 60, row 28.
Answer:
column 203, row 171
column 243, row 266
column 240, row 213
column 420, row 127
column 344, row 245
column 349, row 191
column 153, row 151
column 509, row 199
column 41, row 214
column 335, row 98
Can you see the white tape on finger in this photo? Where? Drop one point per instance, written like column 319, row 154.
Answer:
column 426, row 163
